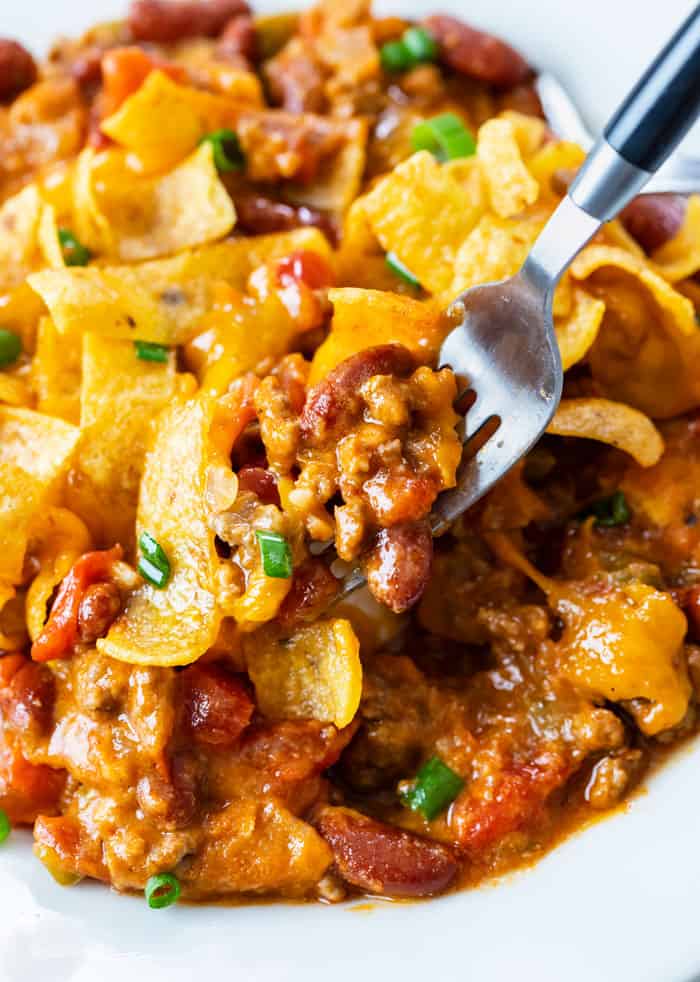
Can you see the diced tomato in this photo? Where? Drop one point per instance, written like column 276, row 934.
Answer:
column 26, row 790
column 65, row 848
column 61, row 630
column 305, row 267
column 124, row 70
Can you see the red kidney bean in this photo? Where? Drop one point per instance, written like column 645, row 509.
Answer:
column 217, row 707
column 294, row 750
column 295, row 79
column 61, row 630
column 398, row 567
column 17, row 69
column 313, row 588
column 165, row 21
column 27, row 698
column 476, row 54
column 261, row 482
column 258, row 215
column 334, row 400
column 379, row 858
column 653, row 219
column 239, row 40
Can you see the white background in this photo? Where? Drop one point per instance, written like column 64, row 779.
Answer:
column 616, row 903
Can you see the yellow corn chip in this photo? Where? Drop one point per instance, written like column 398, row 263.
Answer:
column 529, row 131
column 558, row 158
column 315, row 674
column 56, row 372
column 48, row 238
column 14, row 390
column 365, row 318
column 175, row 625
column 19, row 236
column 135, row 218
column 35, row 452
column 511, row 186
column 163, row 300
column 609, row 422
column 577, row 332
column 184, row 115
column 679, row 258
column 121, row 398
column 422, row 214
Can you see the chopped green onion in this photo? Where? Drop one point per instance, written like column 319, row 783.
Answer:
column 5, row 827
column 397, row 267
column 228, row 155
column 148, row 351
column 10, row 347
column 610, row 511
column 162, row 891
column 154, row 565
column 276, row 555
column 74, row 252
column 435, row 788
column 421, row 44
column 445, row 136
column 396, row 57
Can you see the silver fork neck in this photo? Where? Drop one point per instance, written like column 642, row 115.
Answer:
column 565, row 234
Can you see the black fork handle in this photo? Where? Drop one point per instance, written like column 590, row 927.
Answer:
column 664, row 104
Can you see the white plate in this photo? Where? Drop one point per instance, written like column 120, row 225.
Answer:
column 616, row 903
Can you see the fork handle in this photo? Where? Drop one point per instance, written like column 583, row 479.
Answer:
column 646, row 128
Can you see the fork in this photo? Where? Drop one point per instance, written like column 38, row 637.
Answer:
column 679, row 175
column 503, row 349
column 504, row 343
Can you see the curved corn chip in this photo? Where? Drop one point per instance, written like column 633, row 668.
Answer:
column 422, row 214
column 184, row 115
column 315, row 674
column 364, row 318
column 261, row 600
column 19, row 236
column 121, row 398
column 529, row 131
column 510, row 184
column 609, row 422
column 35, row 451
column 558, row 158
column 176, row 625
column 648, row 348
column 47, row 235
column 56, row 372
column 14, row 391
column 58, row 539
column 577, row 332
column 163, row 300
column 679, row 258
column 135, row 218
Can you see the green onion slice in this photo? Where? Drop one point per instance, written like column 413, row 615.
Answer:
column 403, row 272
column 421, row 44
column 445, row 136
column 162, row 891
column 148, row 351
column 10, row 347
column 74, row 252
column 435, row 788
column 276, row 555
column 396, row 57
column 228, row 155
column 5, row 827
column 154, row 565
column 611, row 511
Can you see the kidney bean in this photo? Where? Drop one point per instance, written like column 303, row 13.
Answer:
column 216, row 705
column 258, row 215
column 61, row 630
column 294, row 750
column 17, row 69
column 379, row 858
column 398, row 567
column 260, row 481
column 476, row 54
column 165, row 21
column 170, row 800
column 27, row 698
column 239, row 40
column 689, row 600
column 334, row 400
column 653, row 219
column 98, row 610
column 296, row 80
column 313, row 588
